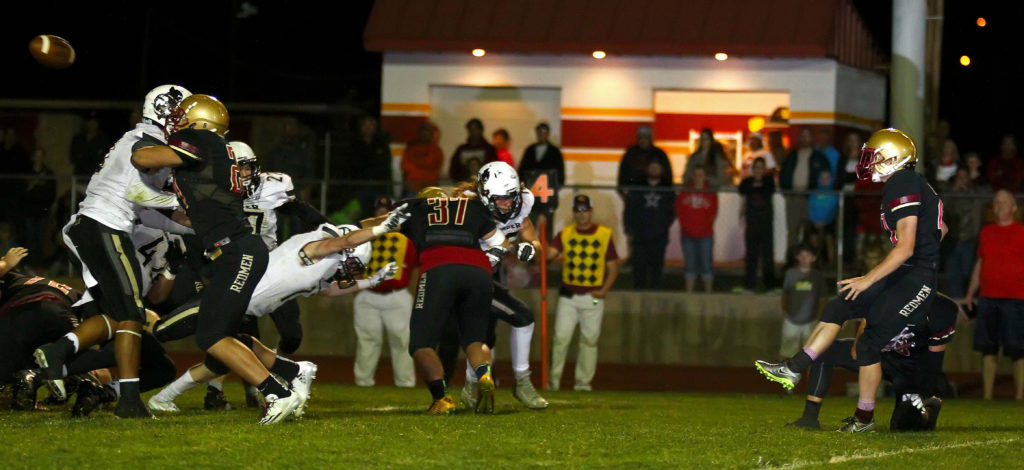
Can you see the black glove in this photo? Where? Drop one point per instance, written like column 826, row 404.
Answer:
column 175, row 256
column 494, row 255
column 526, row 251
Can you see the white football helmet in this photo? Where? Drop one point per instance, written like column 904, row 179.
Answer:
column 499, row 180
column 245, row 157
column 161, row 101
column 353, row 266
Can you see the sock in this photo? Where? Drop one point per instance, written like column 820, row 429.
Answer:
column 73, row 338
column 811, row 409
column 180, row 385
column 865, row 411
column 802, row 360
column 470, row 373
column 116, row 385
column 130, row 388
column 519, row 341
column 285, row 368
column 483, row 369
column 270, row 386
column 436, row 388
column 216, row 385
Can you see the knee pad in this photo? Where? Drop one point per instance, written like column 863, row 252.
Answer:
column 215, row 365
column 246, row 340
column 836, row 312
column 866, row 354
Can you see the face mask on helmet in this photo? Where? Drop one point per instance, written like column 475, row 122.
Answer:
column 499, row 189
column 353, row 266
column 162, row 102
column 886, row 152
column 199, row 112
column 248, row 167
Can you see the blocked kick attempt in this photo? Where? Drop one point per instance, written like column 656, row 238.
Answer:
column 896, row 294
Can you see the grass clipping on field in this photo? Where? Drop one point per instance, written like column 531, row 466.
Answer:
column 387, row 427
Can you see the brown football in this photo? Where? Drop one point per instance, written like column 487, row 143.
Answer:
column 52, row 51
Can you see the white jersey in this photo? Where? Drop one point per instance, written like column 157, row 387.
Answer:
column 275, row 190
column 117, row 189
column 287, row 278
column 511, row 227
column 150, row 250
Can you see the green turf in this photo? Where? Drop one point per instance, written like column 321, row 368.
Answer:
column 387, row 427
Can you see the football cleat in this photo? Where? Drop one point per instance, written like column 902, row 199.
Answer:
column 444, row 406
column 278, row 409
column 805, row 422
column 852, row 425
column 303, row 385
column 129, row 408
column 527, row 395
column 27, row 383
column 778, row 372
column 90, row 396
column 485, row 394
column 50, row 357
column 468, row 395
column 933, row 405
column 213, row 401
column 156, row 404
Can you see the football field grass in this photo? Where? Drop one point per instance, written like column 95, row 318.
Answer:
column 386, row 427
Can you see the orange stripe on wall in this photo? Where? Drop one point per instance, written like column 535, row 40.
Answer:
column 572, row 156
column 831, row 116
column 406, row 107
column 622, row 112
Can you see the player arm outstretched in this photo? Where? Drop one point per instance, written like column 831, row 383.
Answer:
column 383, row 274
column 321, row 248
column 906, row 229
column 157, row 156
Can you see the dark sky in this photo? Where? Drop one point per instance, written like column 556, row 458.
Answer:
column 312, row 52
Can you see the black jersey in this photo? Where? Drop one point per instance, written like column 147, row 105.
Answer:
column 16, row 287
column 937, row 330
column 907, row 193
column 448, row 231
column 208, row 185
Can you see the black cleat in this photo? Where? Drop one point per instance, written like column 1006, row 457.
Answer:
column 50, row 358
column 932, row 405
column 853, row 425
column 91, row 394
column 27, row 383
column 805, row 422
column 215, row 400
column 128, row 408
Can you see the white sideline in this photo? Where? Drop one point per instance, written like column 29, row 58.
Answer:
column 904, row 451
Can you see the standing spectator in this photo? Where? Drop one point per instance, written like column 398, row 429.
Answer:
column 802, row 290
column 501, row 142
column 88, row 147
column 998, row 272
column 422, row 159
column 757, row 150
column 947, row 164
column 823, row 144
column 845, row 181
column 473, row 154
column 1005, row 171
column 697, row 211
column 369, row 158
column 973, row 163
column 542, row 156
column 711, row 155
column 800, row 172
column 294, row 157
column 757, row 191
column 963, row 217
column 385, row 309
column 778, row 149
column 589, row 268
column 821, row 210
column 648, row 216
column 633, row 167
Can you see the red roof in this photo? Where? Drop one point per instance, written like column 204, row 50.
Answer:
column 751, row 28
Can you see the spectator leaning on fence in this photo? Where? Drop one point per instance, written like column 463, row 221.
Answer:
column 697, row 211
column 648, row 216
column 963, row 206
column 998, row 273
column 800, row 172
column 589, row 269
column 633, row 167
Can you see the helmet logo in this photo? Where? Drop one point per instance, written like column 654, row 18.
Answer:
column 166, row 102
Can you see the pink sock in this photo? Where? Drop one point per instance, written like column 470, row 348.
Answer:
column 865, row 405
column 810, row 352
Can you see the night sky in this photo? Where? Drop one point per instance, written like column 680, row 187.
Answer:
column 312, row 52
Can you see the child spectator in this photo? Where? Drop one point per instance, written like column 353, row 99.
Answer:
column 822, row 207
column 802, row 291
column 757, row 191
column 697, row 211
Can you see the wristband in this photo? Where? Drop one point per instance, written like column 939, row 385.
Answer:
column 363, row 284
column 379, row 230
column 168, row 274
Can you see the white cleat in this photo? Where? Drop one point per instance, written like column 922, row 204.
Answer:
column 162, row 406
column 279, row 408
column 302, row 384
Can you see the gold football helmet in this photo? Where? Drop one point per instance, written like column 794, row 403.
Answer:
column 200, row 112
column 431, row 191
column 885, row 152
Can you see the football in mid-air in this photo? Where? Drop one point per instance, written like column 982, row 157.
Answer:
column 52, row 51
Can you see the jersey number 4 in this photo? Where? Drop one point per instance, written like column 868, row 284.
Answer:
column 440, row 215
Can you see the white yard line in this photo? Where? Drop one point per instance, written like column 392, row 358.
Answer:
column 890, row 453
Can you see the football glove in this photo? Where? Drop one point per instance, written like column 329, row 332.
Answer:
column 394, row 220
column 384, row 274
column 526, row 251
column 494, row 255
column 175, row 256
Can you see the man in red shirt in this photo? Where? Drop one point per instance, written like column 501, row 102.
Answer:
column 998, row 272
column 1005, row 171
